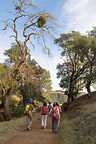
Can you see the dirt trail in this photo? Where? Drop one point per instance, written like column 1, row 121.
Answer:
column 35, row 136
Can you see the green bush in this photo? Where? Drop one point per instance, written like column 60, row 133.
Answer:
column 17, row 111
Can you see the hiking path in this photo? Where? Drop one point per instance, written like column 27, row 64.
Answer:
column 35, row 136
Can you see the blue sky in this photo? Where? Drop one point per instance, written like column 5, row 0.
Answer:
column 71, row 15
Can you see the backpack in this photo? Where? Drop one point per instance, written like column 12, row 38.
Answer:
column 27, row 109
column 54, row 113
column 44, row 110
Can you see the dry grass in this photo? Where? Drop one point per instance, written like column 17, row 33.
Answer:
column 78, row 125
column 67, row 133
column 11, row 126
column 8, row 127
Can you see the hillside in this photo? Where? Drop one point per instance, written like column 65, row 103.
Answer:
column 78, row 125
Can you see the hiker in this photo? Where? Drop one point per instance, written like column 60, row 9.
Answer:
column 28, row 111
column 49, row 106
column 60, row 110
column 55, row 112
column 44, row 113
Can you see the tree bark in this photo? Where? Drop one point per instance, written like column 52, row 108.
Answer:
column 72, row 98
column 3, row 94
column 89, row 81
column 68, row 99
column 88, row 89
column 71, row 88
column 7, row 115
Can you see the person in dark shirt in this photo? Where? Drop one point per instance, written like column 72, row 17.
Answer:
column 49, row 106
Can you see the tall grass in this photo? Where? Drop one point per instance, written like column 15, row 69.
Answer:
column 78, row 126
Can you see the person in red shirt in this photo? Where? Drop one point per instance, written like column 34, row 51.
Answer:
column 60, row 110
column 44, row 113
column 54, row 112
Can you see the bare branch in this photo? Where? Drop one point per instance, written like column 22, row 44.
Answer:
column 12, row 36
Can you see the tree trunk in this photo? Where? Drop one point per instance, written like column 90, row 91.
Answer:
column 2, row 98
column 71, row 87
column 68, row 99
column 88, row 89
column 72, row 98
column 7, row 115
column 89, row 82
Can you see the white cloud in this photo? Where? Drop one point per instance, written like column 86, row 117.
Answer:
column 78, row 15
column 72, row 6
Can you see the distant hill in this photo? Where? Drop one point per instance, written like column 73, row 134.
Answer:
column 57, row 96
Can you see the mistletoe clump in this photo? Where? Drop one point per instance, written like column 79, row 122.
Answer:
column 41, row 21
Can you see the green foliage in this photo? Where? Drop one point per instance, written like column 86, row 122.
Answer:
column 36, row 82
column 32, row 80
column 88, row 50
column 79, row 66
column 18, row 111
column 71, row 71
column 12, row 102
column 31, row 91
column 14, row 54
column 4, row 79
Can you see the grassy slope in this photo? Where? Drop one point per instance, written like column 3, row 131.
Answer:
column 14, row 125
column 8, row 127
column 78, row 124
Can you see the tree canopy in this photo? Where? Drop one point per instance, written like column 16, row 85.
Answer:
column 78, row 69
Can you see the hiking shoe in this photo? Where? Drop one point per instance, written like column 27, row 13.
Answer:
column 52, row 131
column 55, row 132
column 42, row 127
column 28, row 128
